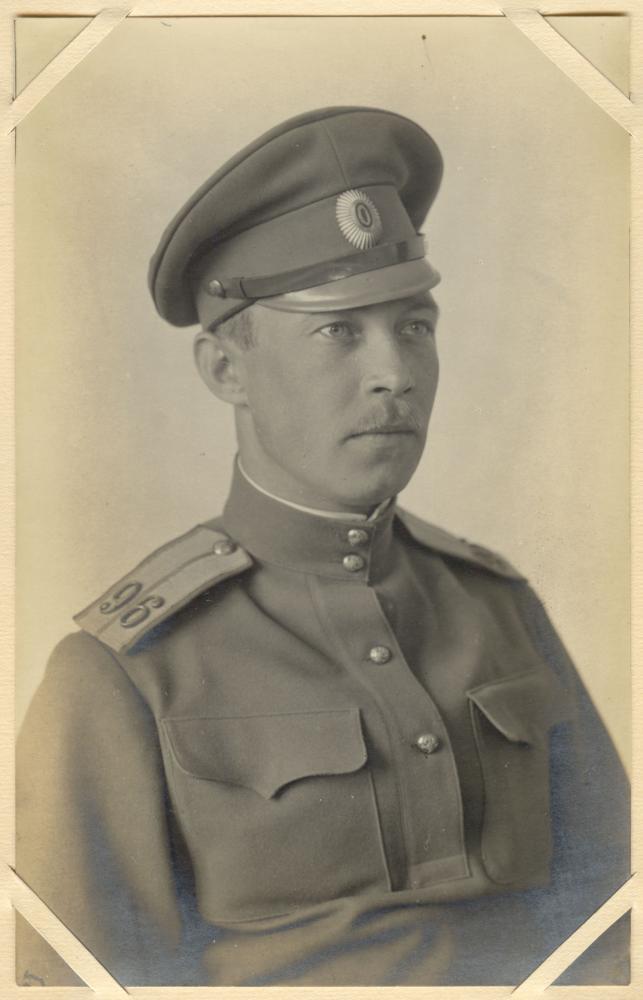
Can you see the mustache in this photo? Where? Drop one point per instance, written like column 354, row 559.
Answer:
column 394, row 418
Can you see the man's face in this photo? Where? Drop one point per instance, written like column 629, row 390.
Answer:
column 337, row 405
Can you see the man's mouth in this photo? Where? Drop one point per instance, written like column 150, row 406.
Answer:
column 385, row 429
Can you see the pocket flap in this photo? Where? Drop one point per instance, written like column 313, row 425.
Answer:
column 523, row 707
column 266, row 752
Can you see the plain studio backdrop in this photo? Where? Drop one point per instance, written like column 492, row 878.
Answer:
column 120, row 445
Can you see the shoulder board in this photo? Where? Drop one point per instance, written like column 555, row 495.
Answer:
column 162, row 584
column 443, row 541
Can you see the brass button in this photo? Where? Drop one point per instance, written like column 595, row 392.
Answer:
column 224, row 547
column 214, row 287
column 427, row 743
column 357, row 536
column 379, row 654
column 353, row 564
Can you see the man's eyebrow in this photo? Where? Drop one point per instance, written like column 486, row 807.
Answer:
column 322, row 318
column 338, row 315
column 423, row 302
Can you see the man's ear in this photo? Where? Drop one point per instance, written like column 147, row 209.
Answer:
column 221, row 367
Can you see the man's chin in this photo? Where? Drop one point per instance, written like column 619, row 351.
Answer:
column 368, row 491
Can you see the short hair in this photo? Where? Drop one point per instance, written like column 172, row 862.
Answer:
column 239, row 328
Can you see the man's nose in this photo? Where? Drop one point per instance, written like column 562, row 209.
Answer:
column 387, row 368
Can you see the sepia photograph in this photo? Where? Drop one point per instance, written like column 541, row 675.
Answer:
column 323, row 602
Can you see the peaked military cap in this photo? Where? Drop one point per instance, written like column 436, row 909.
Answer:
column 321, row 212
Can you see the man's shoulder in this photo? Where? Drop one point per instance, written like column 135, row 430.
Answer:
column 163, row 583
column 439, row 540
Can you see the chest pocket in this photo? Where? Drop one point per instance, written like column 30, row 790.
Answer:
column 277, row 811
column 267, row 752
column 512, row 722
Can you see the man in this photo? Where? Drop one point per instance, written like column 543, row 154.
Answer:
column 316, row 740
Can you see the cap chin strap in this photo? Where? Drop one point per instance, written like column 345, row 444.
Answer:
column 233, row 311
column 315, row 274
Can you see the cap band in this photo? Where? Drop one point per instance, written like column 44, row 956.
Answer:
column 316, row 274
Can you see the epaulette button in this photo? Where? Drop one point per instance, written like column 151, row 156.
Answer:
column 224, row 547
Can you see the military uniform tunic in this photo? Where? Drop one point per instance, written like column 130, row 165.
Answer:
column 361, row 758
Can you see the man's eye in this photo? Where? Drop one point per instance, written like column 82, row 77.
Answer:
column 336, row 331
column 417, row 328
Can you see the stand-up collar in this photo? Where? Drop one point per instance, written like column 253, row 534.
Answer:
column 277, row 533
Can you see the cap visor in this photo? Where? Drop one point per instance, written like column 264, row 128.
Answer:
column 399, row 281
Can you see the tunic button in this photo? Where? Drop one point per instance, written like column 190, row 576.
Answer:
column 224, row 547
column 357, row 536
column 215, row 288
column 353, row 564
column 379, row 654
column 427, row 743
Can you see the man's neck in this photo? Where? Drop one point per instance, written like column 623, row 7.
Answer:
column 334, row 515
